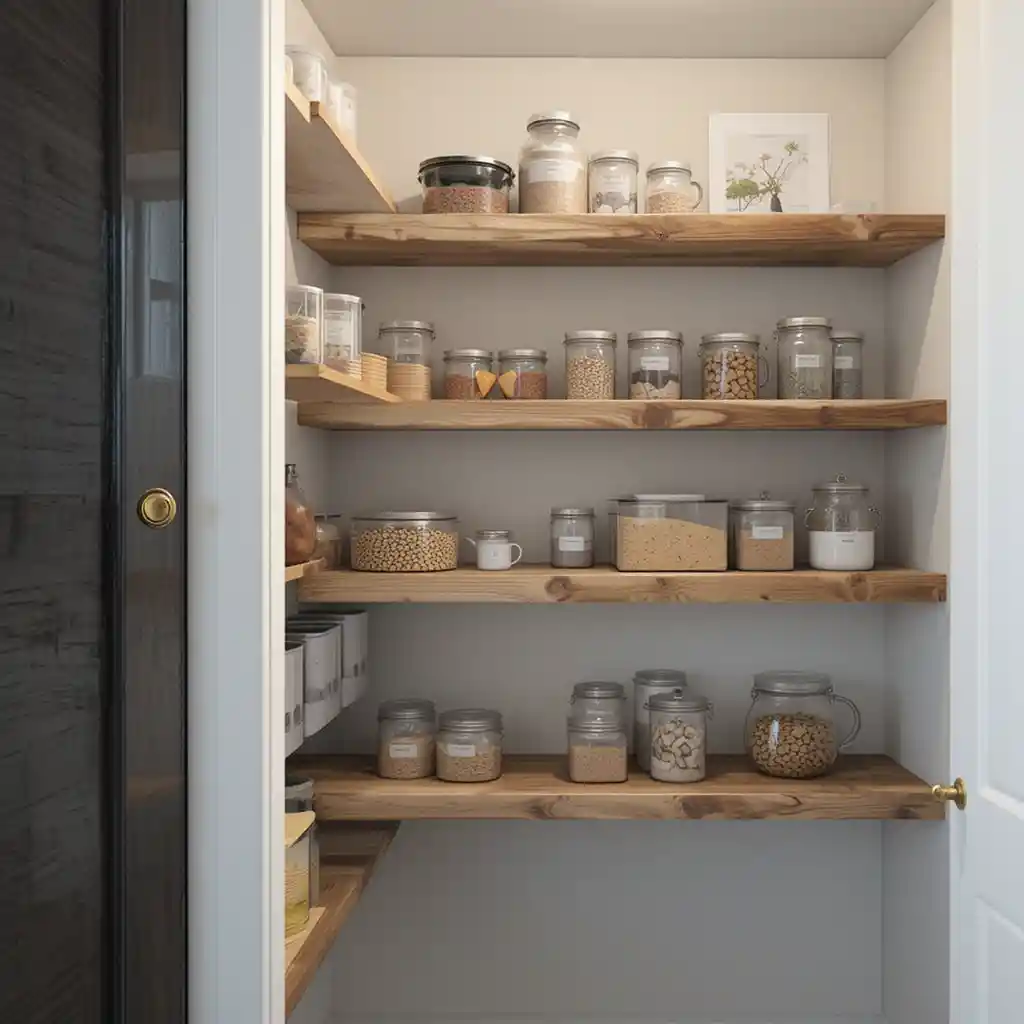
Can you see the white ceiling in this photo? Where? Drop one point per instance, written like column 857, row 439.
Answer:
column 616, row 28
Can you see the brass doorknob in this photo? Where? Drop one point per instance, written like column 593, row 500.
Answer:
column 157, row 508
column 956, row 794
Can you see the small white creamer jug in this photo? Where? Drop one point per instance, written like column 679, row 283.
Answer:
column 494, row 549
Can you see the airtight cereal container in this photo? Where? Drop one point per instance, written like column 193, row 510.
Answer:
column 465, row 184
column 670, row 533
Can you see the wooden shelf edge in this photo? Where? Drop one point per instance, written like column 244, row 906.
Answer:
column 309, row 382
column 302, row 570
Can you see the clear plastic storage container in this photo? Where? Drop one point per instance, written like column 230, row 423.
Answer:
column 572, row 538
column 731, row 366
column 679, row 736
column 847, row 364
column 465, row 184
column 303, row 324
column 469, row 743
column 523, row 373
column 406, row 731
column 598, row 702
column 613, row 181
column 670, row 533
column 804, row 357
column 552, row 166
column 406, row 341
column 646, row 683
column 405, row 542
column 655, row 364
column 841, row 526
column 343, row 332
column 590, row 364
column 597, row 752
column 762, row 534
column 468, row 374
column 671, row 188
column 310, row 73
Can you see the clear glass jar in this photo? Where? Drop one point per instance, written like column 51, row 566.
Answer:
column 552, row 166
column 303, row 324
column 731, row 366
column 670, row 533
column 469, row 744
column 646, row 683
column 613, row 181
column 405, row 542
column 343, row 333
column 405, row 738
column 468, row 374
column 328, row 539
column 590, row 364
column 655, row 364
column 598, row 702
column 299, row 520
column 804, row 357
column 465, row 184
column 762, row 534
column 309, row 70
column 597, row 752
column 790, row 730
column 572, row 538
column 841, row 526
column 406, row 341
column 671, row 188
column 523, row 372
column 679, row 736
column 847, row 364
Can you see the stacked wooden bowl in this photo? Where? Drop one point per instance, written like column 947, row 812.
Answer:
column 375, row 370
column 409, row 381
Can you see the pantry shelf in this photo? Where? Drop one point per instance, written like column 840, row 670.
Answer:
column 698, row 239
column 682, row 414
column 302, row 569
column 542, row 584
column 311, row 383
column 323, row 168
column 861, row 787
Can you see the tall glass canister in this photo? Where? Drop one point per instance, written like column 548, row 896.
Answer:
column 804, row 357
column 572, row 538
column 847, row 364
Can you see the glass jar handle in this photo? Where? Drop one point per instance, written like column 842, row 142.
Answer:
column 700, row 193
column 761, row 361
column 876, row 513
column 852, row 734
column 807, row 515
column 518, row 557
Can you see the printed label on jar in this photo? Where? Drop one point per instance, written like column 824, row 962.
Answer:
column 654, row 362
column 806, row 362
column 460, row 750
column 551, row 170
column 572, row 544
column 844, row 362
column 767, row 532
column 403, row 750
column 339, row 336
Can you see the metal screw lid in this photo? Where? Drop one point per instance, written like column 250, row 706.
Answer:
column 567, row 513
column 598, row 691
column 406, row 325
column 470, row 720
column 677, row 700
column 553, row 117
column 763, row 504
column 795, row 684
column 406, row 709
column 493, row 534
column 730, row 336
column 841, row 485
column 626, row 155
column 847, row 335
column 523, row 353
column 670, row 165
column 573, row 336
column 635, row 337
column 660, row 677
column 803, row 321
column 406, row 517
column 467, row 353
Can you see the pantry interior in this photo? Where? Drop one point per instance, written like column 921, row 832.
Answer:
column 794, row 921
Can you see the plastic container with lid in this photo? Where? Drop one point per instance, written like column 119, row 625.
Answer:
column 341, row 102
column 343, row 333
column 598, row 702
column 469, row 742
column 597, row 752
column 671, row 188
column 299, row 520
column 731, row 366
column 310, row 73
column 762, row 534
column 405, row 738
column 679, row 735
column 655, row 364
column 804, row 357
column 303, row 324
column 552, row 166
column 847, row 364
column 468, row 374
column 523, row 372
column 328, row 539
column 572, row 538
column 791, row 728
column 613, row 181
column 646, row 683
column 406, row 341
column 590, row 364
column 670, row 533
column 465, row 184
column 405, row 542
column 841, row 526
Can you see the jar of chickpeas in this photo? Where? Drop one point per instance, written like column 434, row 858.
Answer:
column 731, row 366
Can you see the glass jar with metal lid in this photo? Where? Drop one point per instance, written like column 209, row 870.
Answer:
column 804, row 357
column 731, row 366
column 671, row 188
column 523, row 372
column 406, row 341
column 613, row 181
column 405, row 542
column 791, row 729
column 468, row 374
column 572, row 538
column 328, row 539
column 646, row 683
column 847, row 364
column 405, row 738
column 469, row 742
column 597, row 751
column 841, row 526
column 679, row 736
column 655, row 364
column 762, row 534
column 590, row 364
column 552, row 166
column 597, row 702
column 465, row 184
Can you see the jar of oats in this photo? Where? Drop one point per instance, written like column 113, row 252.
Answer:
column 731, row 366
column 804, row 357
column 679, row 735
column 671, row 188
column 762, row 534
column 791, row 729
column 612, row 181
column 469, row 744
column 552, row 166
column 590, row 364
column 523, row 372
column 405, row 739
column 405, row 542
column 597, row 752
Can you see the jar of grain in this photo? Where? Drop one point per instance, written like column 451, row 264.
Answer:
column 465, row 184
column 552, row 166
column 597, row 752
column 299, row 520
column 646, row 683
column 762, row 534
column 468, row 374
column 590, row 364
column 671, row 188
column 670, row 533
column 523, row 372
column 328, row 539
column 612, row 181
column 405, row 739
column 679, row 736
column 405, row 542
column 572, row 538
column 343, row 333
column 655, row 364
column 731, row 366
column 598, row 702
column 469, row 745
column 804, row 357
column 791, row 729
column 406, row 341
column 303, row 324
column 841, row 526
column 847, row 364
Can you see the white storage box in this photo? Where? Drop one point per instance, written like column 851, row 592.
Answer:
column 321, row 680
column 293, row 695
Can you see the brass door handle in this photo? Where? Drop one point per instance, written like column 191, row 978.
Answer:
column 157, row 508
column 955, row 794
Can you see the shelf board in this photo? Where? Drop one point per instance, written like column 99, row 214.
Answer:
column 302, row 570
column 697, row 239
column 862, row 787
column 313, row 383
column 681, row 414
column 345, row 869
column 543, row 584
column 323, row 168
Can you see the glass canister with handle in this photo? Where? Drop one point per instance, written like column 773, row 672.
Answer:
column 671, row 188
column 841, row 526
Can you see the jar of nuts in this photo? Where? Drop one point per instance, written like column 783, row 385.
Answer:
column 405, row 542
column 468, row 374
column 762, row 534
column 590, row 364
column 552, row 166
column 804, row 357
column 469, row 745
column 597, row 752
column 679, row 735
column 730, row 366
column 523, row 372
column 598, row 702
column 405, row 739
column 791, row 727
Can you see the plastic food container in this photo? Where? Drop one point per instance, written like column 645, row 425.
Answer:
column 303, row 324
column 465, row 184
column 670, row 533
column 469, row 744
column 552, row 166
column 679, row 736
column 847, row 364
column 523, row 373
column 310, row 71
column 804, row 357
column 671, row 188
column 841, row 526
column 613, row 181
column 598, row 702
column 572, row 538
column 762, row 534
column 468, row 374
column 405, row 542
column 597, row 752
column 646, row 683
column 655, row 364
column 342, row 105
column 590, row 364
column 296, row 870
column 731, row 367
column 406, row 731
column 343, row 332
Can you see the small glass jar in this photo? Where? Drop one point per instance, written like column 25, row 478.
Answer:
column 303, row 324
column 731, row 366
column 469, row 745
column 646, row 683
column 762, row 534
column 328, row 539
column 841, row 526
column 405, row 739
column 847, row 364
column 523, row 372
column 597, row 752
column 790, row 729
column 671, row 188
column 406, row 341
column 552, row 166
column 613, row 181
column 468, row 374
column 598, row 702
column 590, row 364
column 343, row 333
column 655, row 364
column 679, row 736
column 405, row 542
column 465, row 184
column 299, row 520
column 804, row 357
column 572, row 538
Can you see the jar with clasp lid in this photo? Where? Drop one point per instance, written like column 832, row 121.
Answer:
column 841, row 526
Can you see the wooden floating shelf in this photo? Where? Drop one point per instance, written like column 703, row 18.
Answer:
column 302, row 569
column 571, row 240
column 323, row 168
column 312, row 383
column 862, row 787
column 543, row 584
column 683, row 414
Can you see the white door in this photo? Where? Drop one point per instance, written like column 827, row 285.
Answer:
column 987, row 442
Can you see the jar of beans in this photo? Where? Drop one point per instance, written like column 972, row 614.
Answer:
column 468, row 374
column 731, row 366
column 679, row 735
column 405, row 542
column 598, row 702
column 655, row 364
column 597, row 752
column 465, row 184
column 469, row 744
column 405, row 739
column 762, row 534
column 590, row 364
column 572, row 538
column 791, row 727
column 523, row 372
column 847, row 364
column 804, row 357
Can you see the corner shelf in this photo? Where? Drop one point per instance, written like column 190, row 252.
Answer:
column 315, row 383
column 302, row 570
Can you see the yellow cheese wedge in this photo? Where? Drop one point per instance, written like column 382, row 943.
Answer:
column 507, row 382
column 485, row 381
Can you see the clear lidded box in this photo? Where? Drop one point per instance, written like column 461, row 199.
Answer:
column 670, row 533
column 303, row 324
column 762, row 534
column 405, row 542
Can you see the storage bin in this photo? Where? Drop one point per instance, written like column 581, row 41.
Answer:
column 646, row 683
column 762, row 534
column 590, row 364
column 847, row 364
column 731, row 368
column 679, row 736
column 597, row 752
column 552, row 166
column 303, row 324
column 666, row 533
column 841, row 526
column 355, row 632
column 469, row 742
column 804, row 357
column 655, row 364
column 612, row 177
column 310, row 72
column 343, row 332
column 671, row 188
column 293, row 691
column 468, row 374
column 321, row 669
column 406, row 736
column 522, row 373
column 603, row 702
column 465, row 184
column 572, row 538
column 296, row 870
column 405, row 542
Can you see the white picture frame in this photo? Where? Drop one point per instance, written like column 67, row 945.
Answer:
column 759, row 163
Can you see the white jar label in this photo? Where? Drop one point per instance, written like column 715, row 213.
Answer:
column 767, row 532
column 460, row 750
column 339, row 336
column 844, row 362
column 572, row 544
column 551, row 170
column 654, row 362
column 403, row 750
column 802, row 361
